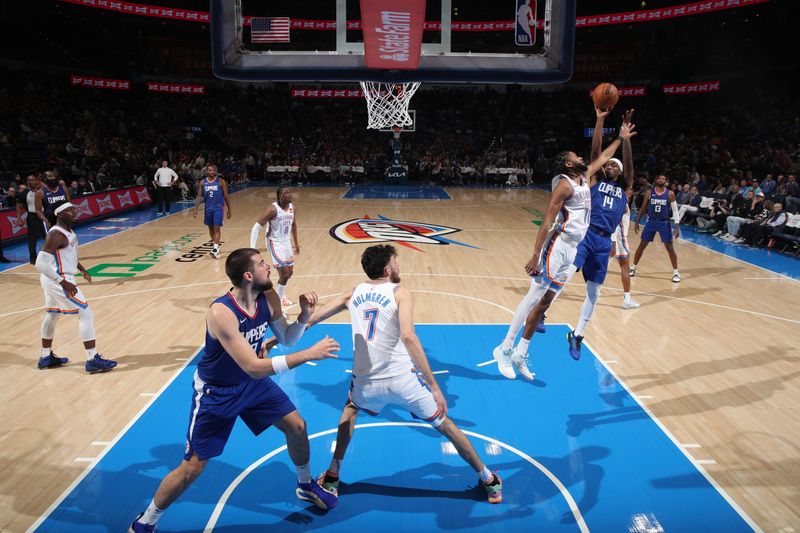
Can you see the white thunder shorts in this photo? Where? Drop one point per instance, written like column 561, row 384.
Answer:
column 56, row 299
column 621, row 238
column 557, row 258
column 281, row 253
column 408, row 391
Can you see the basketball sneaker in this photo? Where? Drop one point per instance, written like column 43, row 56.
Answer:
column 99, row 364
column 632, row 272
column 52, row 361
column 676, row 277
column 574, row 345
column 329, row 483
column 540, row 326
column 630, row 304
column 311, row 492
column 138, row 527
column 503, row 358
column 521, row 362
column 494, row 489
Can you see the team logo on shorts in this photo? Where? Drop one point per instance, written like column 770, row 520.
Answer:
column 375, row 230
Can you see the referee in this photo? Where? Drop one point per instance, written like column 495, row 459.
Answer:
column 164, row 179
column 35, row 223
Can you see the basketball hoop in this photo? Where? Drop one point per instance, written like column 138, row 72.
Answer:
column 387, row 103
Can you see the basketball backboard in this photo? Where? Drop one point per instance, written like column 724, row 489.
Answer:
column 462, row 41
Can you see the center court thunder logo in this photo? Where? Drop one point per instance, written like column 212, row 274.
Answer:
column 371, row 230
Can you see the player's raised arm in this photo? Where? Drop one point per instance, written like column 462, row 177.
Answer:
column 625, row 132
column 405, row 313
column 560, row 194
column 223, row 326
column 627, row 153
column 597, row 135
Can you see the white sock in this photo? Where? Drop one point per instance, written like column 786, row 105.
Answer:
column 530, row 299
column 281, row 290
column 626, row 296
column 587, row 309
column 336, row 465
column 486, row 475
column 522, row 347
column 90, row 353
column 151, row 515
column 633, row 268
column 304, row 473
column 46, row 351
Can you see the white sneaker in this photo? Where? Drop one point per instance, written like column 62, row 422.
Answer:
column 630, row 304
column 214, row 254
column 520, row 362
column 286, row 302
column 740, row 240
column 718, row 234
column 729, row 237
column 503, row 358
column 632, row 272
column 676, row 278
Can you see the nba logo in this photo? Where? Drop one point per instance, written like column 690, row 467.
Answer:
column 525, row 28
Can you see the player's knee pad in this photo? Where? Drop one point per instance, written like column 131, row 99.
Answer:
column 86, row 324
column 49, row 325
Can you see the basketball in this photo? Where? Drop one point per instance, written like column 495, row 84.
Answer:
column 605, row 96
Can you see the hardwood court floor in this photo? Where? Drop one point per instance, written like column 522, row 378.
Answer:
column 714, row 358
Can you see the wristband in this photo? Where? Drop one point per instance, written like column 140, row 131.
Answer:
column 620, row 138
column 58, row 279
column 279, row 364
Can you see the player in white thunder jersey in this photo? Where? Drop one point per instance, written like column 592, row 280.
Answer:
column 621, row 250
column 58, row 264
column 390, row 366
column 554, row 251
column 282, row 219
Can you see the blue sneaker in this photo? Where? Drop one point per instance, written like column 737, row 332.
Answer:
column 138, row 527
column 52, row 361
column 311, row 492
column 98, row 364
column 574, row 345
column 540, row 326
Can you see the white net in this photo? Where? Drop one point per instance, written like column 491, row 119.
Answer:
column 387, row 103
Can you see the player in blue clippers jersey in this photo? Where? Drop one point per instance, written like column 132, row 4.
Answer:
column 213, row 190
column 609, row 202
column 50, row 197
column 658, row 202
column 232, row 381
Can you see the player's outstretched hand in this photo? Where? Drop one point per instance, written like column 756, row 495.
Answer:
column 308, row 302
column 327, row 348
column 626, row 131
column 600, row 113
column 628, row 116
